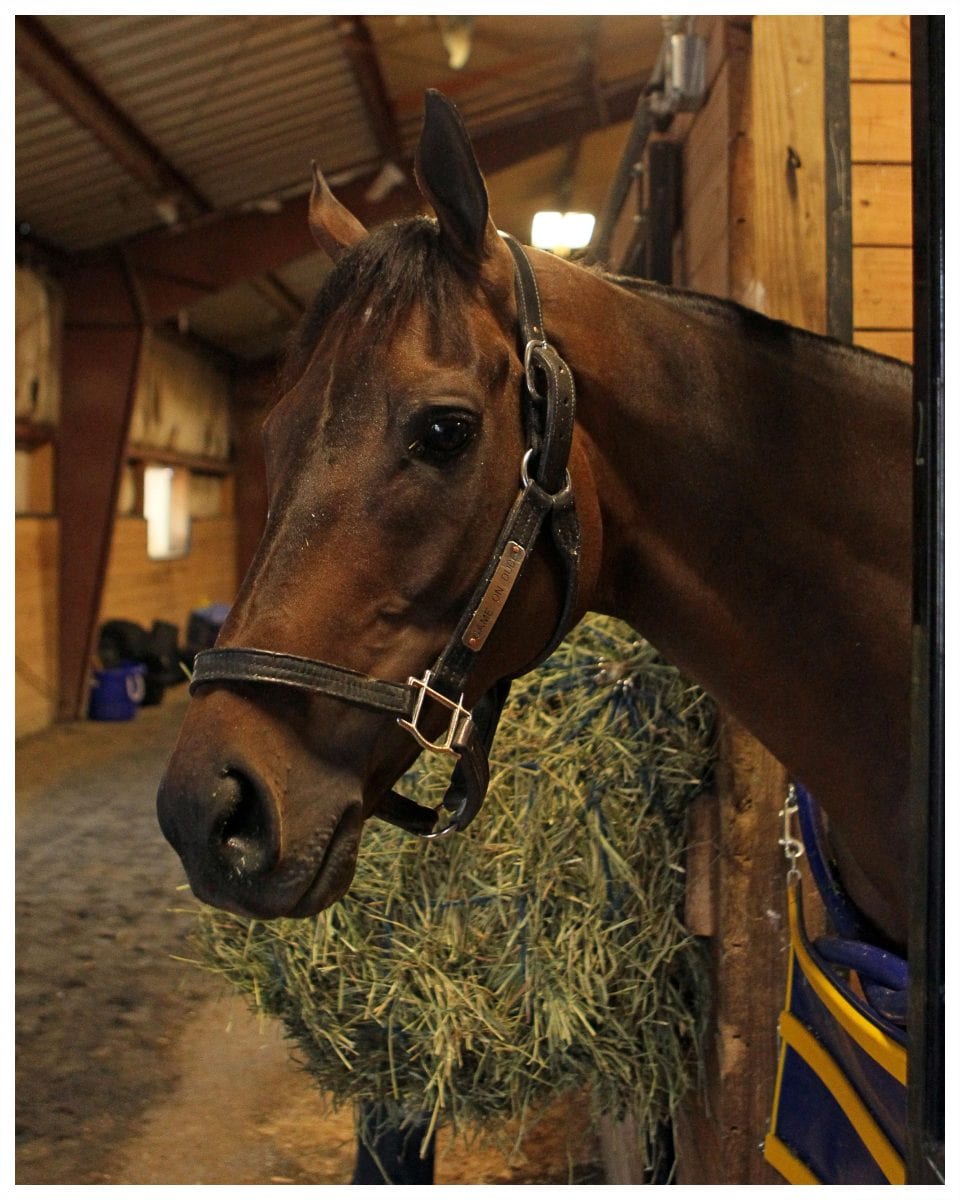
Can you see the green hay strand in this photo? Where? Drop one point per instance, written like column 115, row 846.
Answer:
column 472, row 978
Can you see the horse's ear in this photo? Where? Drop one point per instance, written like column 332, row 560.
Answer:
column 449, row 177
column 334, row 227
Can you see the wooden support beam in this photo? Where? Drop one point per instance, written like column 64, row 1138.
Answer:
column 361, row 51
column 101, row 363
column 586, row 84
column 537, row 130
column 177, row 268
column 503, row 71
column 287, row 304
column 838, row 177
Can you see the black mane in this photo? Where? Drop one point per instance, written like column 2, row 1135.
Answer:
column 757, row 324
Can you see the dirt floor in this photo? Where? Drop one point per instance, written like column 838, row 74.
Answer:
column 134, row 1067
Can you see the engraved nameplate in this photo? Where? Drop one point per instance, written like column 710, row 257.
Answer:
column 495, row 597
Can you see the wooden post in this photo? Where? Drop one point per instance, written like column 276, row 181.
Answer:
column 790, row 170
column 755, row 231
column 103, row 342
column 926, row 1072
column 719, row 1130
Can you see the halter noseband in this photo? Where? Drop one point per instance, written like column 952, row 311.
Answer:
column 545, row 492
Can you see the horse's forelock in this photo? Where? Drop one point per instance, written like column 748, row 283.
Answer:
column 396, row 268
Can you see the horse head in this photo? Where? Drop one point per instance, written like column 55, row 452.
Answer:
column 421, row 541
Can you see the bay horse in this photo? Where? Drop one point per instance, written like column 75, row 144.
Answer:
column 478, row 443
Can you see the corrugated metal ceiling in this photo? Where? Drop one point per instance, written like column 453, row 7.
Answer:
column 236, row 107
column 232, row 103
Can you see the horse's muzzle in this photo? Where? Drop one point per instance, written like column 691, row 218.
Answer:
column 231, row 851
column 246, row 846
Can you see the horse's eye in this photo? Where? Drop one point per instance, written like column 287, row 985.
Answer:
column 445, row 435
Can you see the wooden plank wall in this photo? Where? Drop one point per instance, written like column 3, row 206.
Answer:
column 37, row 352
column 36, row 385
column 182, row 403
column 182, row 406
column 136, row 589
column 141, row 589
column 881, row 184
column 37, row 398
column 35, row 614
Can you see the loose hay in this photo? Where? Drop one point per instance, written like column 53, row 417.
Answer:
column 472, row 978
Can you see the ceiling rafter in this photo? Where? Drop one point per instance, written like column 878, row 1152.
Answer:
column 408, row 104
column 506, row 143
column 361, row 51
column 49, row 65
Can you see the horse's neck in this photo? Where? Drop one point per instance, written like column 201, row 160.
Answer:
column 754, row 487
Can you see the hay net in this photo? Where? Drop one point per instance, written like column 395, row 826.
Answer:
column 472, row 978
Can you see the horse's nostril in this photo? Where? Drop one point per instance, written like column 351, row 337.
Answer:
column 242, row 835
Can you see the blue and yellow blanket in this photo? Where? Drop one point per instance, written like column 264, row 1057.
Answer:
column 840, row 1099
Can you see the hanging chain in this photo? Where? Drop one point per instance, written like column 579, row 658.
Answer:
column 792, row 845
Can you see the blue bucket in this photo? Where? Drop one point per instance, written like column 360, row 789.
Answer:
column 117, row 692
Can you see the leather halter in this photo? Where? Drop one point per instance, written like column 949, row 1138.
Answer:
column 545, row 496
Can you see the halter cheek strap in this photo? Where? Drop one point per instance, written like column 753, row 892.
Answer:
column 545, row 499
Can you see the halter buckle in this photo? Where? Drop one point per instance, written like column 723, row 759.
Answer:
column 532, row 347
column 448, row 745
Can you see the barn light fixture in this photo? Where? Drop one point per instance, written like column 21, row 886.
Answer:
column 562, row 232
column 457, row 35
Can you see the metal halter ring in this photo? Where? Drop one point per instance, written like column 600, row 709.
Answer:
column 526, row 479
column 439, row 833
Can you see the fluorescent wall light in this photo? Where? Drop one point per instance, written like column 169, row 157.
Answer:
column 562, row 232
column 166, row 505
